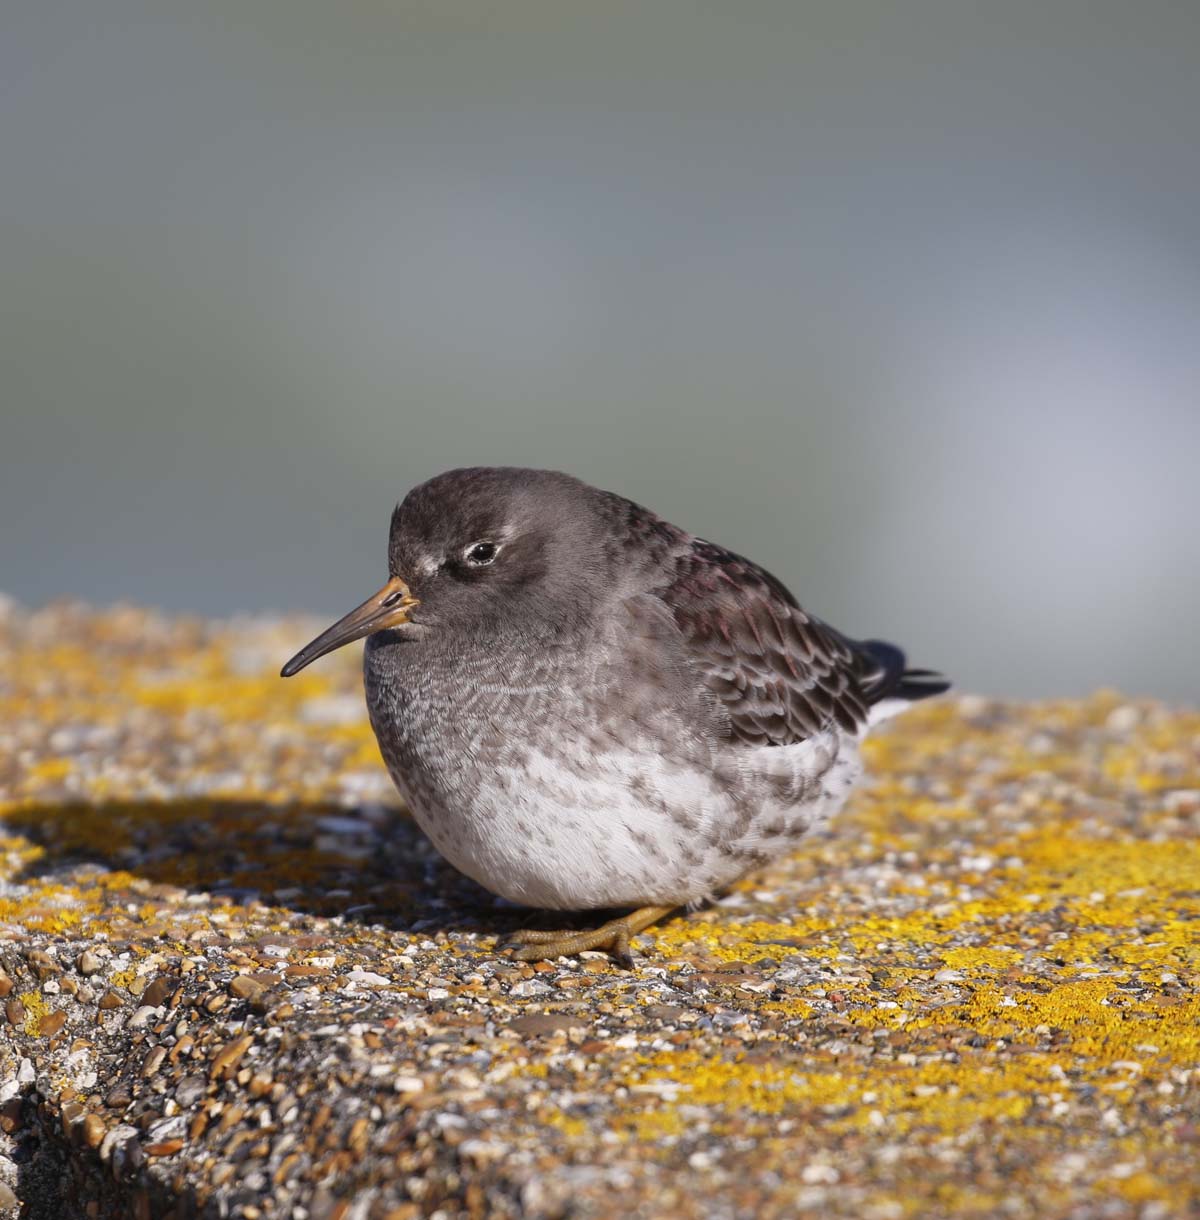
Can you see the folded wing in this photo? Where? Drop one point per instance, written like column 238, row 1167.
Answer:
column 777, row 674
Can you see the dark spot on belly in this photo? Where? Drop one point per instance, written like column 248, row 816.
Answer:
column 691, row 857
column 752, row 857
column 740, row 824
column 648, row 843
column 644, row 788
column 683, row 816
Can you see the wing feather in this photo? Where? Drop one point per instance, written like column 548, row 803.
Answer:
column 777, row 674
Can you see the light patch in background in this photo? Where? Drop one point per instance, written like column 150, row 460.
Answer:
column 1060, row 382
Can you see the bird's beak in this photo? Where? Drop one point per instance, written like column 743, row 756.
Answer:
column 387, row 608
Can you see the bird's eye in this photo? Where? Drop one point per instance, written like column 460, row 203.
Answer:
column 482, row 553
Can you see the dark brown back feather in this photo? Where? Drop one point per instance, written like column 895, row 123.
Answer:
column 778, row 674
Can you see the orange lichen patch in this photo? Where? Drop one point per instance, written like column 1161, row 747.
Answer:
column 212, row 687
column 1141, row 1187
column 50, row 769
column 50, row 907
column 753, row 940
column 192, row 710
column 987, row 958
column 1068, row 874
column 206, row 693
column 35, row 1009
column 363, row 750
column 937, row 1097
column 1092, row 1019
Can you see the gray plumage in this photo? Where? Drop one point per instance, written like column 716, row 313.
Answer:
column 590, row 707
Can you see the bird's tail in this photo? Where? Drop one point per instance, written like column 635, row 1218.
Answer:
column 888, row 683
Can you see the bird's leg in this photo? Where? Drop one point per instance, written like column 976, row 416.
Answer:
column 613, row 937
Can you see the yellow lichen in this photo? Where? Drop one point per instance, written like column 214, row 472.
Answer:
column 35, row 1009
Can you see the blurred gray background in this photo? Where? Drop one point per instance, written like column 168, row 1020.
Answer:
column 901, row 299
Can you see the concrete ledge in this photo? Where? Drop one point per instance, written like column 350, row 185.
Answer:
column 237, row 982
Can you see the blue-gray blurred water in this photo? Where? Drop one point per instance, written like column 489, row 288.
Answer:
column 903, row 300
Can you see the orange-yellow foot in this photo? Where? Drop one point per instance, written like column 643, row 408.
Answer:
column 612, row 937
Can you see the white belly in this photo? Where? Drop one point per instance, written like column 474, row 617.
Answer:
column 627, row 829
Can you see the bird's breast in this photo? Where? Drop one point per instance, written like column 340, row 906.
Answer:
column 550, row 790
column 559, row 791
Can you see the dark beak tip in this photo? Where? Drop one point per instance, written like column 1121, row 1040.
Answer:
column 295, row 665
column 386, row 608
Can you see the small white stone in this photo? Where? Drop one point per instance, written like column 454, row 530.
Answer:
column 1181, row 799
column 1122, row 719
column 528, row 987
column 368, row 978
column 978, row 864
column 482, row 1152
column 167, row 1128
column 117, row 1137
column 817, row 1174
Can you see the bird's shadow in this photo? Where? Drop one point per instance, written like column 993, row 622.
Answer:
column 371, row 865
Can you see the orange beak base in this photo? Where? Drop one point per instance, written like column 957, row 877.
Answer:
column 387, row 608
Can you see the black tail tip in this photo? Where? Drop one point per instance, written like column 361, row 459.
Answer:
column 892, row 680
column 921, row 684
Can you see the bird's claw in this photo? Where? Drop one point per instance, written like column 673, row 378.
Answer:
column 535, row 945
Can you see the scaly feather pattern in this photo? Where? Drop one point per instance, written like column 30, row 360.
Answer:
column 778, row 674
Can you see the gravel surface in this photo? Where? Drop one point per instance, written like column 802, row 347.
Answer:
column 235, row 981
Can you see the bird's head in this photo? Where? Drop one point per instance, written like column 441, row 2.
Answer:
column 481, row 551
